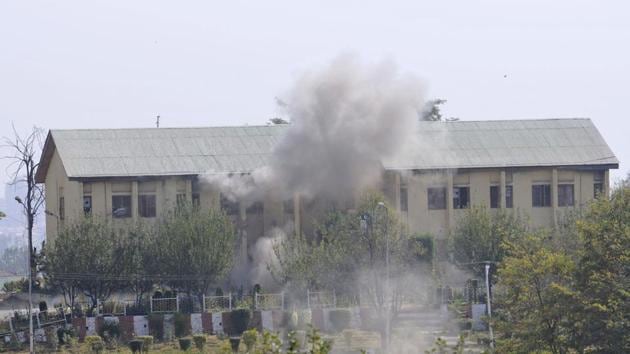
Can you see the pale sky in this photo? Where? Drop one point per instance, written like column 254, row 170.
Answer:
column 118, row 64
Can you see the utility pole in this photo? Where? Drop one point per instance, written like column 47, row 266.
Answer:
column 489, row 306
column 157, row 121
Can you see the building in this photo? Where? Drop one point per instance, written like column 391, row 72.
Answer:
column 539, row 167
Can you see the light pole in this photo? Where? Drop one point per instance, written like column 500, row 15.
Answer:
column 488, row 302
column 30, row 286
column 387, row 285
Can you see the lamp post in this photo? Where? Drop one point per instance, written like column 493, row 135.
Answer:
column 30, row 286
column 387, row 285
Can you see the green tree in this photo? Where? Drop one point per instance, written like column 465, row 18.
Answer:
column 2, row 215
column 603, row 274
column 136, row 254
column 194, row 248
column 532, row 307
column 480, row 235
column 83, row 257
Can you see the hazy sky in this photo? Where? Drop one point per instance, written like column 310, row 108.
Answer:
column 115, row 64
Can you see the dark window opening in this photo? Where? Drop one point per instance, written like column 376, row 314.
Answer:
column 230, row 207
column 494, row 197
column 565, row 195
column 62, row 208
column 404, row 201
column 509, row 200
column 287, row 205
column 598, row 189
column 255, row 208
column 121, row 206
column 461, row 197
column 436, row 198
column 180, row 199
column 196, row 200
column 146, row 206
column 87, row 204
column 541, row 195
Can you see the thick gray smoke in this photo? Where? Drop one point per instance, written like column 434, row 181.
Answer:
column 345, row 120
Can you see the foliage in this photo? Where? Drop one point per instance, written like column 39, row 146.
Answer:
column 603, row 274
column 2, row 215
column 277, row 121
column 249, row 338
column 156, row 326
column 182, row 325
column 423, row 246
column 532, row 312
column 95, row 343
column 136, row 346
column 20, row 285
column 83, row 257
column 240, row 320
column 109, row 330
column 147, row 342
column 184, row 343
column 480, row 236
column 194, row 248
column 200, row 341
column 340, row 319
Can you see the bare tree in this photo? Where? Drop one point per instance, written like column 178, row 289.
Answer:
column 24, row 156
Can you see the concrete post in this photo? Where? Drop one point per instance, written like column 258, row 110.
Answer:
column 134, row 200
column 449, row 199
column 554, row 194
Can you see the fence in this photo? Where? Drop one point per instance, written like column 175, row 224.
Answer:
column 269, row 301
column 164, row 304
column 321, row 299
column 217, row 303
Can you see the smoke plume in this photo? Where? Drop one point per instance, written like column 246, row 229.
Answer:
column 345, row 120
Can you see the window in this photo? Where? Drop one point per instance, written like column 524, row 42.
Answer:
column 121, row 206
column 598, row 189
column 287, row 205
column 87, row 204
column 541, row 195
column 62, row 208
column 404, row 202
column 436, row 198
column 508, row 197
column 146, row 205
column 461, row 197
column 180, row 199
column 565, row 195
column 196, row 200
column 255, row 208
column 494, row 197
column 230, row 207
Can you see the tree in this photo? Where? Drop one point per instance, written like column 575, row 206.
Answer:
column 85, row 257
column 479, row 237
column 194, row 248
column 2, row 215
column 136, row 253
column 431, row 111
column 533, row 307
column 603, row 274
column 24, row 157
column 277, row 121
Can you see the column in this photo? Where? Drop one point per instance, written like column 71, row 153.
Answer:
column 449, row 198
column 134, row 200
column 554, row 194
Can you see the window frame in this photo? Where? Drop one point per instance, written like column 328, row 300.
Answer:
column 562, row 201
column 87, row 211
column 127, row 214
column 457, row 197
column 145, row 211
column 437, row 194
column 495, row 203
column 544, row 189
column 509, row 196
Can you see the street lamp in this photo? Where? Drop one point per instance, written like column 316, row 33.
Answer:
column 387, row 285
column 30, row 288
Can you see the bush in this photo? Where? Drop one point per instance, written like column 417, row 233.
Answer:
column 147, row 342
column 182, row 323
column 184, row 343
column 200, row 341
column 156, row 326
column 137, row 346
column 240, row 321
column 249, row 338
column 109, row 329
column 340, row 319
column 95, row 343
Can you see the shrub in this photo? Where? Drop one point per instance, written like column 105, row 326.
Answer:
column 181, row 323
column 184, row 343
column 95, row 343
column 249, row 338
column 240, row 320
column 156, row 326
column 340, row 319
column 147, row 342
column 137, row 346
column 109, row 329
column 200, row 341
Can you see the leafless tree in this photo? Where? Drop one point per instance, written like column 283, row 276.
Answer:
column 23, row 154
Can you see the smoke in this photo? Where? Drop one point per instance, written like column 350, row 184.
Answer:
column 346, row 119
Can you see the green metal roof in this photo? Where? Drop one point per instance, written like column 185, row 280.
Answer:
column 190, row 151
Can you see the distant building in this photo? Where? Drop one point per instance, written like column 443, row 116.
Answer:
column 538, row 167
